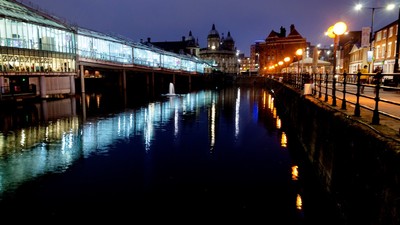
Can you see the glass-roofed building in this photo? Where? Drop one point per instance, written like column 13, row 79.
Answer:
column 33, row 46
column 42, row 56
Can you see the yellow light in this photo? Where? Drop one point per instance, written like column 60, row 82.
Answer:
column 339, row 28
column 299, row 202
column 295, row 172
column 279, row 125
column 330, row 33
column 280, row 63
column 299, row 52
column 286, row 59
column 283, row 138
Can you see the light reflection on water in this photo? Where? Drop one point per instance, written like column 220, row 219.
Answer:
column 212, row 144
column 52, row 147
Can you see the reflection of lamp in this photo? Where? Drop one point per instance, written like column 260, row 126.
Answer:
column 295, row 172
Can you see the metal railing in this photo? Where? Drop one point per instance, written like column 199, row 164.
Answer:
column 380, row 94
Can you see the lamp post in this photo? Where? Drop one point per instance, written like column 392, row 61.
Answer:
column 388, row 7
column 334, row 32
column 286, row 60
column 280, row 63
column 299, row 52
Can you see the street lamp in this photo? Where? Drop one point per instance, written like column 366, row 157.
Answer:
column 334, row 32
column 280, row 63
column 388, row 7
column 286, row 60
column 299, row 52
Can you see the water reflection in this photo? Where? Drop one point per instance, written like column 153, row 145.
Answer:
column 53, row 146
column 246, row 151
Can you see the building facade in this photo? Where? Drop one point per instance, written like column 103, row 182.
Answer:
column 384, row 52
column 222, row 51
column 278, row 46
column 41, row 56
column 255, row 56
column 38, row 53
column 188, row 45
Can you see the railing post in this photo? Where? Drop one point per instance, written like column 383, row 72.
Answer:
column 334, row 90
column 357, row 105
column 312, row 81
column 344, row 90
column 326, row 87
column 320, row 86
column 375, row 116
column 302, row 81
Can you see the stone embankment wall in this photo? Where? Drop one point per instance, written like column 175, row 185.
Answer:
column 357, row 166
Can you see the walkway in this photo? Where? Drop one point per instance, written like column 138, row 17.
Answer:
column 387, row 126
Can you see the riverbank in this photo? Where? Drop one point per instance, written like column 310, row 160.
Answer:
column 358, row 163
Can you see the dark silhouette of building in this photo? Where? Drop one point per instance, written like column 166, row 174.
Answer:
column 187, row 45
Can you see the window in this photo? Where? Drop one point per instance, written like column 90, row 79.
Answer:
column 379, row 36
column 377, row 52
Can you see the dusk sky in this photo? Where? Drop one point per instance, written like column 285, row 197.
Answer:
column 246, row 20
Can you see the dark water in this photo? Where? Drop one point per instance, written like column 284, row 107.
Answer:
column 208, row 156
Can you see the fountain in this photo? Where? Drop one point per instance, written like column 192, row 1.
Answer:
column 171, row 89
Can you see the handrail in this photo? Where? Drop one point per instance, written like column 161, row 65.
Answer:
column 381, row 98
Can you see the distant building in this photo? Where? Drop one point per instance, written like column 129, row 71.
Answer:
column 255, row 56
column 345, row 47
column 222, row 51
column 277, row 46
column 385, row 41
column 188, row 46
column 245, row 64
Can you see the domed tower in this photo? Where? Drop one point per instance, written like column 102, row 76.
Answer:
column 229, row 43
column 213, row 39
column 192, row 45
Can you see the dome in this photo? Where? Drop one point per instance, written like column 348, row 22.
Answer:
column 190, row 37
column 229, row 37
column 213, row 33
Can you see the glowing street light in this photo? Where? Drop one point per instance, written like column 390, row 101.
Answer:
column 299, row 52
column 280, row 63
column 334, row 32
column 359, row 7
column 287, row 59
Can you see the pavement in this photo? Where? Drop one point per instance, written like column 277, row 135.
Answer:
column 389, row 126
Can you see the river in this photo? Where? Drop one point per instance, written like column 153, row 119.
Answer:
column 219, row 155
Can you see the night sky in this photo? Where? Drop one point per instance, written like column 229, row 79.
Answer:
column 246, row 20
